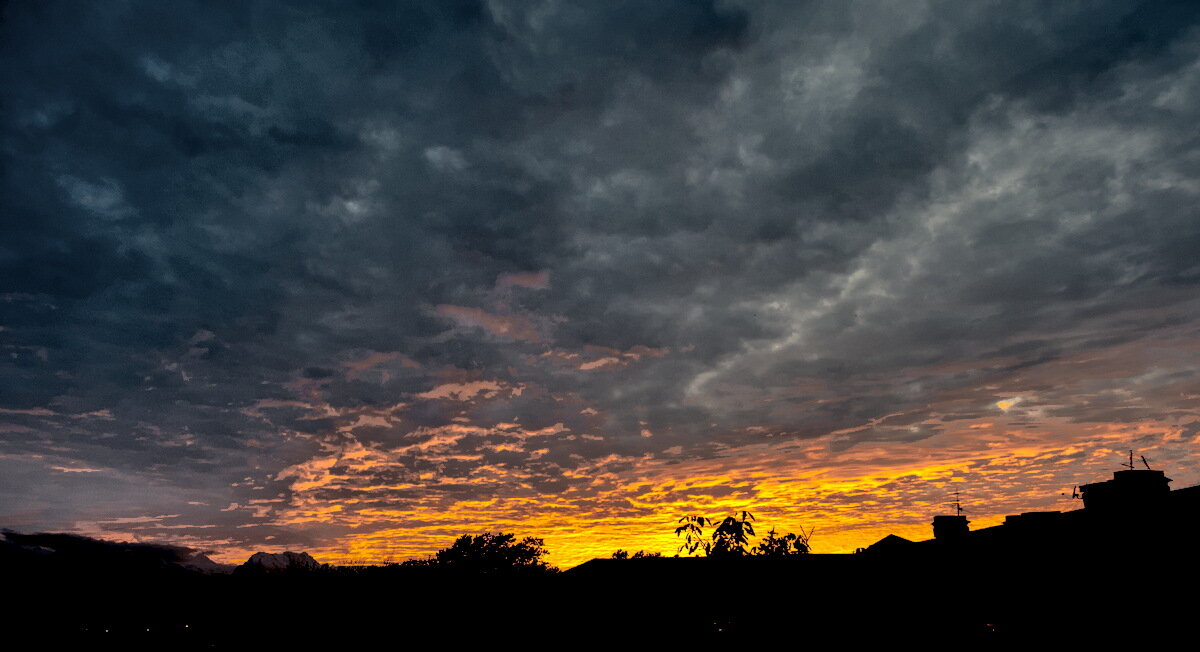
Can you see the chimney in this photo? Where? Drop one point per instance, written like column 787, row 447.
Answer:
column 950, row 528
column 1129, row 489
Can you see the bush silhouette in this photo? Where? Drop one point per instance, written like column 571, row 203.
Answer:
column 729, row 539
column 788, row 545
column 692, row 529
column 732, row 536
column 488, row 552
column 641, row 554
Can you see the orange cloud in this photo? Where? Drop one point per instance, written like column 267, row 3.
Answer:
column 468, row 390
column 513, row 327
column 853, row 497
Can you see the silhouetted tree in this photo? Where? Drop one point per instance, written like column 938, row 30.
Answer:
column 693, row 533
column 732, row 536
column 490, row 552
column 641, row 554
column 788, row 545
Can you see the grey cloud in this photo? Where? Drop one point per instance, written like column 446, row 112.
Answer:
column 822, row 214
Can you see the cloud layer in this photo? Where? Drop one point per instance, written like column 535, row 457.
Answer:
column 361, row 278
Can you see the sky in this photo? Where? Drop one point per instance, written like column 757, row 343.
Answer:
column 355, row 278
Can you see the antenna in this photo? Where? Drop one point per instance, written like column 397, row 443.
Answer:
column 958, row 510
column 1130, row 464
column 1146, row 463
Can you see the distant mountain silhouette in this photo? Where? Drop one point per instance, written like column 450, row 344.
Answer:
column 85, row 553
column 279, row 562
column 202, row 564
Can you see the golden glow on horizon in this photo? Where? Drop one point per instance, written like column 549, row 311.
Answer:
column 1011, row 452
column 853, row 497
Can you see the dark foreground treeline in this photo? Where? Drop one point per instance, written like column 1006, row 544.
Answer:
column 131, row 597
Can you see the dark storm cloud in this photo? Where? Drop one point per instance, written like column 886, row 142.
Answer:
column 239, row 237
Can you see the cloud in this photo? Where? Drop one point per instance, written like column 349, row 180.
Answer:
column 415, row 269
column 539, row 280
column 513, row 327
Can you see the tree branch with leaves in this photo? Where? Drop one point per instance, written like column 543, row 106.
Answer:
column 787, row 545
column 692, row 530
column 731, row 538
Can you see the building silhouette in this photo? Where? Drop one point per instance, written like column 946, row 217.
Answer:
column 1135, row 511
column 1123, row 568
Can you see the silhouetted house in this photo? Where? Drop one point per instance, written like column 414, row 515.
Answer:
column 950, row 527
column 1128, row 489
column 1134, row 511
column 890, row 541
column 1072, row 577
column 1032, row 520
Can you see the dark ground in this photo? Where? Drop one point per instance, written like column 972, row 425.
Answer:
column 936, row 597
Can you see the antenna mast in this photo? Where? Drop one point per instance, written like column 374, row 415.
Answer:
column 1130, row 464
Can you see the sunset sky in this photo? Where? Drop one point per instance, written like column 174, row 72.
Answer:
column 355, row 278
